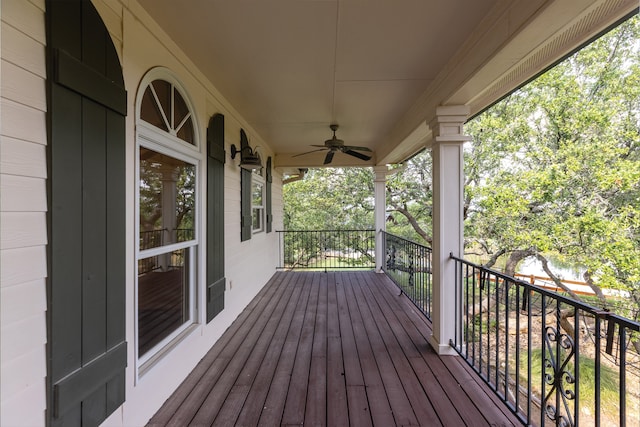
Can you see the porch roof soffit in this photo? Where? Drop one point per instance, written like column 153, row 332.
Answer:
column 291, row 68
column 526, row 39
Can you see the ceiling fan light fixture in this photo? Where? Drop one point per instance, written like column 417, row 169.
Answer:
column 334, row 144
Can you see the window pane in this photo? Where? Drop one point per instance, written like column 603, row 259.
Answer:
column 163, row 90
column 256, row 199
column 150, row 112
column 167, row 199
column 180, row 111
column 185, row 133
column 163, row 297
column 257, row 219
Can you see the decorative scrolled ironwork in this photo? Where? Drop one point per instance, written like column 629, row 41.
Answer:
column 560, row 350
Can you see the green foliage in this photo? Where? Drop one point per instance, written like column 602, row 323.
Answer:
column 609, row 385
column 330, row 199
column 555, row 166
column 409, row 197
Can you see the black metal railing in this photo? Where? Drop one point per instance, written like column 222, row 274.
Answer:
column 155, row 238
column 152, row 238
column 327, row 249
column 408, row 264
column 552, row 360
column 184, row 234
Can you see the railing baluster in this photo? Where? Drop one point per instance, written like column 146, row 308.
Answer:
column 598, row 350
column 326, row 249
column 555, row 393
column 623, row 376
column 543, row 357
column 576, row 366
column 517, row 341
column 473, row 315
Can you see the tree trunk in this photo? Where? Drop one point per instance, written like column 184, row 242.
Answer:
column 515, row 257
column 566, row 324
column 414, row 223
column 595, row 288
column 556, row 279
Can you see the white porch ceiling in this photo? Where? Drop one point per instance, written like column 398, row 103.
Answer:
column 378, row 68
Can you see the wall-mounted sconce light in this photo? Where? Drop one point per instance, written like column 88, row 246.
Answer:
column 249, row 158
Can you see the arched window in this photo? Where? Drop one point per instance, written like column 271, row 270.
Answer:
column 165, row 108
column 167, row 175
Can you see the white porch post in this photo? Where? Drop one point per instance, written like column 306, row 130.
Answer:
column 169, row 199
column 380, row 182
column 448, row 204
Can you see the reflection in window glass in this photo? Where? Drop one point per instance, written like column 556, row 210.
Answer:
column 163, row 92
column 164, row 107
column 257, row 206
column 167, row 199
column 150, row 111
column 186, row 131
column 163, row 297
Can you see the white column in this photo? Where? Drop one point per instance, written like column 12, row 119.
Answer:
column 380, row 182
column 448, row 204
column 169, row 200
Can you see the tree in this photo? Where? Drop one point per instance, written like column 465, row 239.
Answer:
column 568, row 182
column 330, row 198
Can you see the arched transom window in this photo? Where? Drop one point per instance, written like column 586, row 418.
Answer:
column 164, row 107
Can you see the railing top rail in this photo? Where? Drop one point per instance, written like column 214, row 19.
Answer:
column 628, row 323
column 406, row 240
column 324, row 231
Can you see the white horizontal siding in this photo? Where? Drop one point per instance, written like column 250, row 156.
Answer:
column 19, row 302
column 23, row 86
column 21, row 408
column 23, row 372
column 22, row 342
column 23, row 229
column 23, row 158
column 27, row 16
column 23, row 194
column 22, row 50
column 23, row 122
column 23, row 205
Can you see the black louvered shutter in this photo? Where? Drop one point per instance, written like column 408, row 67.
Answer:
column 86, row 284
column 246, row 219
column 268, row 197
column 215, row 216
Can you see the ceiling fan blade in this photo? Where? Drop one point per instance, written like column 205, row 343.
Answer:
column 318, row 145
column 329, row 157
column 308, row 152
column 353, row 147
column 358, row 155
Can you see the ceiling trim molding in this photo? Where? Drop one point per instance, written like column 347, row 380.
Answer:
column 527, row 48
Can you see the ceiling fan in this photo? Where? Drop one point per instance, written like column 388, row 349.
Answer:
column 334, row 144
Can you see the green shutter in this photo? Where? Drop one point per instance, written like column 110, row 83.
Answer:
column 268, row 197
column 86, row 284
column 246, row 219
column 215, row 216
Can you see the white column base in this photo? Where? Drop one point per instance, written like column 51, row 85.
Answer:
column 441, row 349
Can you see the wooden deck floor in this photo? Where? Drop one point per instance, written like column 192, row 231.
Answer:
column 334, row 349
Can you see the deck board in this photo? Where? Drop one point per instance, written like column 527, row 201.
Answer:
column 335, row 349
